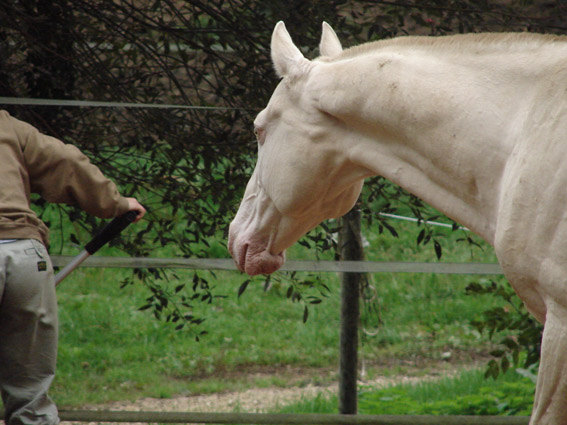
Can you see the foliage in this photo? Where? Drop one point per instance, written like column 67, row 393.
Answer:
column 190, row 166
column 521, row 344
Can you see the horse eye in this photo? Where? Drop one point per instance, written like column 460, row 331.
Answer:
column 260, row 135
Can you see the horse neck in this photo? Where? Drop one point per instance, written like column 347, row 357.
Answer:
column 440, row 130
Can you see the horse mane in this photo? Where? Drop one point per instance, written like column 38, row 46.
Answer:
column 480, row 42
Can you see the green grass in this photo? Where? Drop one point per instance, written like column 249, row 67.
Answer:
column 116, row 351
column 469, row 393
column 111, row 351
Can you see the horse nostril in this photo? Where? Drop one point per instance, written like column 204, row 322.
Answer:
column 241, row 260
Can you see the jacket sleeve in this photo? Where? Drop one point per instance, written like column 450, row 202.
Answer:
column 61, row 173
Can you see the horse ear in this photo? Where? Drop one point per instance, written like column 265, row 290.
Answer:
column 285, row 55
column 330, row 44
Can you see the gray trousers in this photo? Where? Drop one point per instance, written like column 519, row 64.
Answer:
column 28, row 333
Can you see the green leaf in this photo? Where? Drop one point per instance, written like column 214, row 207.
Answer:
column 438, row 249
column 420, row 236
column 74, row 239
column 243, row 287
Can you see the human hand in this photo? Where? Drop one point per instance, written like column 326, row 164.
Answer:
column 134, row 205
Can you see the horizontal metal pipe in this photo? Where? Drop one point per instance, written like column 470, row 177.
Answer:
column 283, row 418
column 290, row 265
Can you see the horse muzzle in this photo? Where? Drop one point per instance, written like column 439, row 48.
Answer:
column 252, row 255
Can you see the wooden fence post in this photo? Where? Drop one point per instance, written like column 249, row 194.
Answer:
column 350, row 249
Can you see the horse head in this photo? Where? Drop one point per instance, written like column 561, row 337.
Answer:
column 303, row 174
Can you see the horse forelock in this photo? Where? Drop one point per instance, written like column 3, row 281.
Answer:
column 487, row 43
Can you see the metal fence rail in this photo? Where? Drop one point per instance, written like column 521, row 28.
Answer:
column 284, row 418
column 290, row 265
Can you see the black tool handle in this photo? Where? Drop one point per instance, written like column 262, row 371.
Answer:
column 110, row 231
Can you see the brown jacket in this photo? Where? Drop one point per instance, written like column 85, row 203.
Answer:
column 31, row 162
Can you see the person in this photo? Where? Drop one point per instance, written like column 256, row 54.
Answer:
column 31, row 162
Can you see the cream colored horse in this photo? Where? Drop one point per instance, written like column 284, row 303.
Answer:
column 475, row 125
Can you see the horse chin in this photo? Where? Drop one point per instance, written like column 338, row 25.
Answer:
column 254, row 258
column 262, row 262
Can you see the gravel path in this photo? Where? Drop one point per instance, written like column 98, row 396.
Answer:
column 254, row 400
column 257, row 400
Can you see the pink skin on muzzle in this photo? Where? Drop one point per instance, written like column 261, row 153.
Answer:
column 251, row 254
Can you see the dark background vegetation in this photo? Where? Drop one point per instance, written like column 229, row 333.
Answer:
column 190, row 166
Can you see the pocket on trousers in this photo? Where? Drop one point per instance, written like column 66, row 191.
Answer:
column 38, row 250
